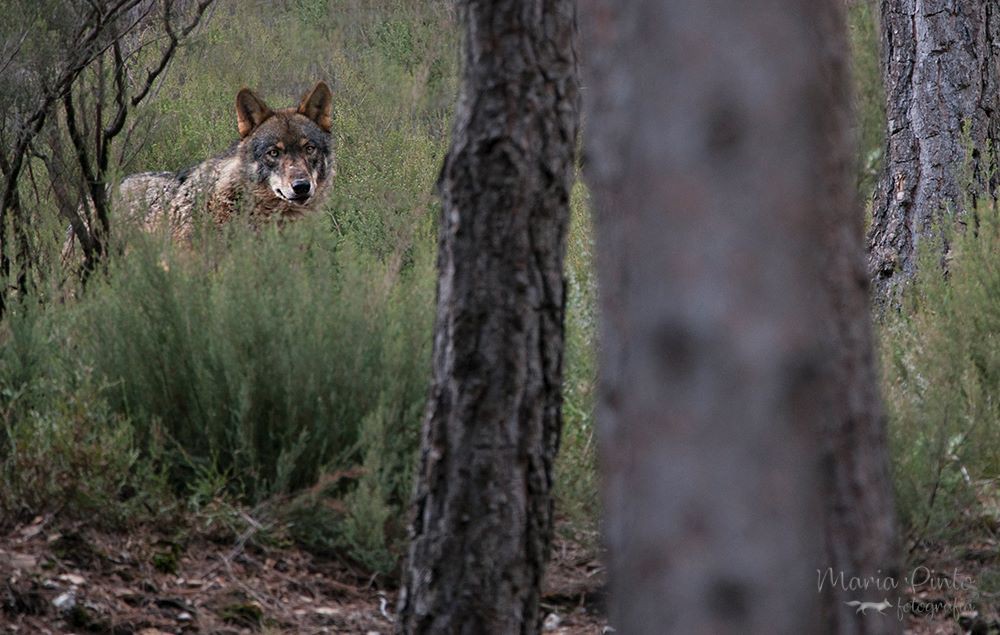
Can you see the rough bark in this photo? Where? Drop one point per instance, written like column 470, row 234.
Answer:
column 861, row 533
column 732, row 300
column 941, row 68
column 483, row 511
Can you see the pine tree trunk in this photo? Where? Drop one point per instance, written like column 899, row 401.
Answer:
column 941, row 68
column 734, row 398
column 483, row 511
column 861, row 532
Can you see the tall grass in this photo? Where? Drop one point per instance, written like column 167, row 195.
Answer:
column 576, row 490
column 941, row 361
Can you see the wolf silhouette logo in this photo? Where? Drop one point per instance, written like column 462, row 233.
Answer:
column 875, row 606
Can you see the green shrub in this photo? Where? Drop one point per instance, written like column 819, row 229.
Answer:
column 576, row 489
column 941, row 361
column 62, row 449
column 260, row 363
column 268, row 363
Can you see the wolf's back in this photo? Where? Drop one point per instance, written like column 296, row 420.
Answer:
column 145, row 197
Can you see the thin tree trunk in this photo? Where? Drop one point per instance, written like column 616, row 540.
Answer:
column 941, row 68
column 483, row 512
column 861, row 532
column 725, row 294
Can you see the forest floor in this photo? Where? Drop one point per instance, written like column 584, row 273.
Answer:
column 70, row 579
column 61, row 580
column 953, row 589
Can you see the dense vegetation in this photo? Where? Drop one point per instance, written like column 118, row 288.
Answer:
column 287, row 372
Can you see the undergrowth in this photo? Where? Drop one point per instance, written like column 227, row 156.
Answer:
column 941, row 365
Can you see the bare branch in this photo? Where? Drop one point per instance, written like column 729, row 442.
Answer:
column 168, row 53
column 14, row 50
column 120, row 99
column 79, row 145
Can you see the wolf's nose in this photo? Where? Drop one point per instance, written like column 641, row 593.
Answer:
column 301, row 187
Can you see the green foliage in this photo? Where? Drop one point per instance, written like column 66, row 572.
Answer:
column 258, row 363
column 576, row 470
column 262, row 367
column 863, row 22
column 941, row 360
column 61, row 448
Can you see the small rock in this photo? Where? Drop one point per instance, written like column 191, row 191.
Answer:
column 326, row 611
column 185, row 617
column 65, row 601
column 552, row 622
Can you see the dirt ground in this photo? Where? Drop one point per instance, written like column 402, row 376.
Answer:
column 61, row 580
column 74, row 580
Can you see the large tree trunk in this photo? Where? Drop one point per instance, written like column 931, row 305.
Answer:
column 483, row 511
column 734, row 332
column 941, row 68
column 861, row 532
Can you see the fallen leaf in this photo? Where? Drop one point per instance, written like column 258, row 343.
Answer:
column 72, row 578
column 121, row 592
column 19, row 561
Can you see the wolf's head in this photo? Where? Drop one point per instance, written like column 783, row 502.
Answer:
column 287, row 154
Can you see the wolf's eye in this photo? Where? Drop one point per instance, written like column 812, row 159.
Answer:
column 310, row 149
column 273, row 153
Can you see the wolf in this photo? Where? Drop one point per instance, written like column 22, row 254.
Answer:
column 280, row 170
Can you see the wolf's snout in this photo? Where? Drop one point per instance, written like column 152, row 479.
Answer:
column 301, row 187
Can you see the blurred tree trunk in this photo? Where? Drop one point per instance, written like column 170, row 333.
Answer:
column 861, row 531
column 483, row 511
column 941, row 68
column 734, row 397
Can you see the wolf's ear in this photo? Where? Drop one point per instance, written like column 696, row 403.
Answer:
column 251, row 111
column 316, row 105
